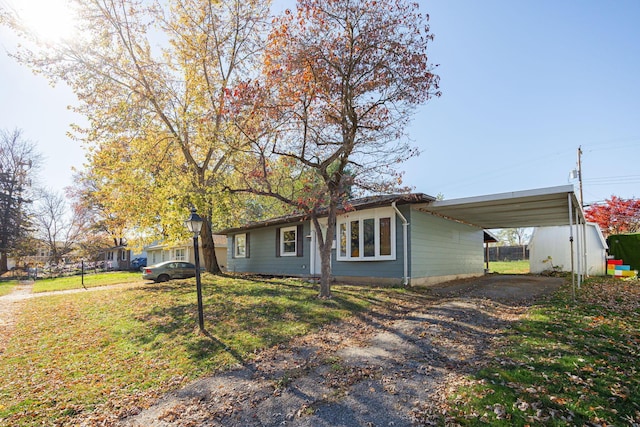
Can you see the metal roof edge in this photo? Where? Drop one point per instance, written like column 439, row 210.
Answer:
column 568, row 188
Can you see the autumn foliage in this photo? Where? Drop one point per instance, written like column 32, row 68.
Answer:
column 340, row 82
column 616, row 215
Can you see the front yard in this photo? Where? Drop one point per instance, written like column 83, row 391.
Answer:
column 80, row 355
column 115, row 350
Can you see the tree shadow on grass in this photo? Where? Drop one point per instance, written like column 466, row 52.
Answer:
column 249, row 313
column 177, row 325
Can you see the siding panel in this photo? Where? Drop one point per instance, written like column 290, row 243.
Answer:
column 263, row 255
column 440, row 247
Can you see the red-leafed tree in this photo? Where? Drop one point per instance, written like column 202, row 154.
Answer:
column 341, row 81
column 616, row 215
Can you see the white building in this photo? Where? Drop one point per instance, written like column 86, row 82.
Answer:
column 550, row 247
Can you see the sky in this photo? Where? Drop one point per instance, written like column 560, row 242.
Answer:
column 525, row 84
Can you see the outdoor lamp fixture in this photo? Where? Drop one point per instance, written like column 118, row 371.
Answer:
column 194, row 224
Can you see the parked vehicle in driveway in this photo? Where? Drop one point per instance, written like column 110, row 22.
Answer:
column 168, row 270
column 138, row 263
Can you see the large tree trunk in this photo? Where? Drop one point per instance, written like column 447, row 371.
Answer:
column 325, row 253
column 325, row 270
column 209, row 249
column 3, row 262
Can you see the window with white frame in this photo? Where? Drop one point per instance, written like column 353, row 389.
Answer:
column 240, row 246
column 366, row 236
column 179, row 254
column 289, row 241
column 124, row 255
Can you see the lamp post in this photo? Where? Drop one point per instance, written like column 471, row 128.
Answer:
column 194, row 224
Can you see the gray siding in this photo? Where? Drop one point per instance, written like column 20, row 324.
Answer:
column 437, row 248
column 262, row 254
column 440, row 247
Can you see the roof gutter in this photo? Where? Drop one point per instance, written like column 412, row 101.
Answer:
column 405, row 244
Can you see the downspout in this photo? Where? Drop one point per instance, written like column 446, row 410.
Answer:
column 405, row 244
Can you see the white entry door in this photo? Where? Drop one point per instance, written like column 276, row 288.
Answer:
column 316, row 264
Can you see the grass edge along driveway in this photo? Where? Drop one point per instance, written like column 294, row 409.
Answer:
column 567, row 363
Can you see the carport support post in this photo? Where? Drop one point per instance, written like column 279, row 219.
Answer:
column 573, row 277
column 580, row 249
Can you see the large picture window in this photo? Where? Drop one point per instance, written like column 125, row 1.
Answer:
column 366, row 236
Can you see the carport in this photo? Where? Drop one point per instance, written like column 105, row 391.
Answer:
column 531, row 208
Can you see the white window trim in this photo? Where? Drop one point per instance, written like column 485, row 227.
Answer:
column 235, row 246
column 295, row 241
column 375, row 214
column 180, row 254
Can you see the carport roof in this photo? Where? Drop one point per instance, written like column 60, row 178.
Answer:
column 531, row 208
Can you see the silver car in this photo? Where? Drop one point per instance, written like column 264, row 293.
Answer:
column 168, row 270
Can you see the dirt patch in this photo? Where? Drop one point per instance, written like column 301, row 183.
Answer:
column 8, row 310
column 512, row 289
column 387, row 367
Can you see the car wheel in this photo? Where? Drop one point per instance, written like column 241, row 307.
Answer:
column 163, row 278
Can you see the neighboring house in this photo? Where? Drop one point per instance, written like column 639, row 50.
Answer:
column 382, row 239
column 159, row 252
column 42, row 257
column 116, row 258
column 548, row 250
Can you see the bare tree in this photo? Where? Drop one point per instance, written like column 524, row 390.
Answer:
column 55, row 226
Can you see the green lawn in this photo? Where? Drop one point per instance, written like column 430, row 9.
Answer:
column 90, row 281
column 110, row 351
column 509, row 267
column 116, row 349
column 569, row 363
column 7, row 286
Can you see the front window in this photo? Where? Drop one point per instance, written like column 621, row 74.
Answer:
column 366, row 236
column 240, row 246
column 288, row 241
column 180, row 254
column 342, row 238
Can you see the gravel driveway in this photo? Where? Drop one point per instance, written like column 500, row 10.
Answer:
column 386, row 367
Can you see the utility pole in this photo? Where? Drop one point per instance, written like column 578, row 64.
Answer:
column 580, row 175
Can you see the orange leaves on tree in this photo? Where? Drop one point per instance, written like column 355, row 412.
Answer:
column 616, row 215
